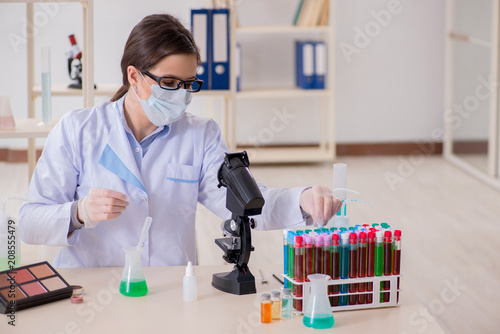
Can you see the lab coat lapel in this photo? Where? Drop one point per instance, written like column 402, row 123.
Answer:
column 118, row 158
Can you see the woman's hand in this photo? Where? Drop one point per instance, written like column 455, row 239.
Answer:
column 101, row 204
column 320, row 203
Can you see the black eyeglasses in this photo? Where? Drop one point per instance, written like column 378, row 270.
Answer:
column 170, row 83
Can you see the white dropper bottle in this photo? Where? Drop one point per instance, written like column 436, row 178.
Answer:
column 190, row 284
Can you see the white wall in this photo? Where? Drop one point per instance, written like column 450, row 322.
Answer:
column 392, row 90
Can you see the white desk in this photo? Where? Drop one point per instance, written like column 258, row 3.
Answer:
column 162, row 310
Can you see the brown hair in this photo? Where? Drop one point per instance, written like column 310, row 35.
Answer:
column 154, row 38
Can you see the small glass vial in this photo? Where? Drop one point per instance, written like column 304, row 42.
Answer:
column 286, row 302
column 276, row 308
column 266, row 309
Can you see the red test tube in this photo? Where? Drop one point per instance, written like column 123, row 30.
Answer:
column 309, row 258
column 370, row 265
column 362, row 266
column 387, row 264
column 327, row 259
column 335, row 273
column 396, row 256
column 318, row 254
column 353, row 267
column 298, row 271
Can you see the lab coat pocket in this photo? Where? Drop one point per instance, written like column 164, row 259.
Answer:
column 183, row 173
column 182, row 185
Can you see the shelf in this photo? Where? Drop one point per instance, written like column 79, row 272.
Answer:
column 264, row 29
column 286, row 154
column 282, row 92
column 108, row 90
column 63, row 90
column 213, row 92
column 28, row 128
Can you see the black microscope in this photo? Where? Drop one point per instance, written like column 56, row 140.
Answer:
column 243, row 199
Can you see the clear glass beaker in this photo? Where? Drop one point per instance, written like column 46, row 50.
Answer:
column 133, row 282
column 318, row 312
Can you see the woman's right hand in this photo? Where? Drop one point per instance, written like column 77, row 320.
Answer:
column 101, row 204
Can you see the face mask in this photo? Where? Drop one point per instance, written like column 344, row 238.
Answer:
column 164, row 106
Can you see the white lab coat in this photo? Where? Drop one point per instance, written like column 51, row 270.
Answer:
column 89, row 148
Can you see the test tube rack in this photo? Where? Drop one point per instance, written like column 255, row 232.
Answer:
column 376, row 293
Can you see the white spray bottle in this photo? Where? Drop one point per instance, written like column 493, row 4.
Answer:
column 190, row 284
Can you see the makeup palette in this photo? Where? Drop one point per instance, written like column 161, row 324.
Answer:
column 31, row 285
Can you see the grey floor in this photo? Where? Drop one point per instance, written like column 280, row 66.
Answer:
column 450, row 224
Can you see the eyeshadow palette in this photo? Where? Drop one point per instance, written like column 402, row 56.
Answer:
column 31, row 285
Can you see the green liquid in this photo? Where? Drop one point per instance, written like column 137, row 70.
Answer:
column 133, row 289
column 319, row 322
column 379, row 259
column 379, row 264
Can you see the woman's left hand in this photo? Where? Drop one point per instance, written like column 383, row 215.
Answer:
column 320, row 203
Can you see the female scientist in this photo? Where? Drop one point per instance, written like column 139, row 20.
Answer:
column 105, row 169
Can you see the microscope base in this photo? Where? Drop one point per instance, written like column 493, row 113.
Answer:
column 235, row 282
column 78, row 85
column 75, row 85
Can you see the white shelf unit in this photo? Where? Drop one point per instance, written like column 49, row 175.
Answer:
column 30, row 128
column 325, row 150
